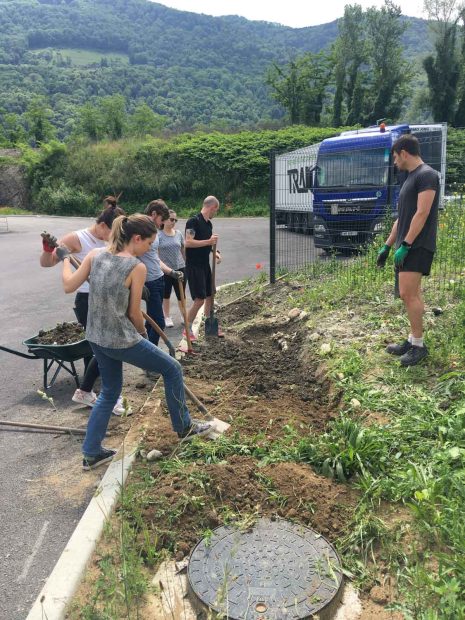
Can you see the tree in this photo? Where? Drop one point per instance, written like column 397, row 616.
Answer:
column 443, row 69
column 349, row 55
column 37, row 117
column 300, row 87
column 144, row 121
column 390, row 73
column 114, row 116
column 90, row 122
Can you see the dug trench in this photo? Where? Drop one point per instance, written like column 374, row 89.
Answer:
column 263, row 381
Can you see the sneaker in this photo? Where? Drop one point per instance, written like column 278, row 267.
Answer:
column 169, row 321
column 413, row 356
column 193, row 337
column 196, row 429
column 84, row 398
column 119, row 408
column 91, row 462
column 399, row 349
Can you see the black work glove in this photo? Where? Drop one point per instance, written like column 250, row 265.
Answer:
column 62, row 252
column 145, row 294
column 383, row 255
column 177, row 275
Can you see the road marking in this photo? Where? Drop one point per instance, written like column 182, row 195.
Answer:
column 35, row 549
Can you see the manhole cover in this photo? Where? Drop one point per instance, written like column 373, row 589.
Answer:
column 277, row 570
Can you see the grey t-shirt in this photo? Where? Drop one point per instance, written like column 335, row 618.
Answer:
column 151, row 260
column 419, row 180
column 107, row 322
column 170, row 249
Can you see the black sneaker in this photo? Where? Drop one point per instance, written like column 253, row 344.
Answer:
column 196, row 429
column 413, row 356
column 91, row 462
column 399, row 349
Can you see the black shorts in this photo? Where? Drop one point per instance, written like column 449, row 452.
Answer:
column 172, row 283
column 199, row 278
column 418, row 260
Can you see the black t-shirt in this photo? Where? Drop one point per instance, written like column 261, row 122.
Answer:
column 419, row 180
column 203, row 230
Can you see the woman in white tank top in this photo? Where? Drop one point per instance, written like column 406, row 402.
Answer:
column 80, row 243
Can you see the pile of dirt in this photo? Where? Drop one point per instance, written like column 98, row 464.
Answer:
column 203, row 497
column 63, row 333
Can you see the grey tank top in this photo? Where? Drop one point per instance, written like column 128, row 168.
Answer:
column 107, row 321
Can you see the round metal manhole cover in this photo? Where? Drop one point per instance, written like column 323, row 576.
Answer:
column 276, row 570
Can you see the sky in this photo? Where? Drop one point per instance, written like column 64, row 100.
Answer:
column 294, row 13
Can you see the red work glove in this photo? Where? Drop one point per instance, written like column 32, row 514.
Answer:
column 46, row 245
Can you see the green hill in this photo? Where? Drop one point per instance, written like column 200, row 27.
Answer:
column 194, row 69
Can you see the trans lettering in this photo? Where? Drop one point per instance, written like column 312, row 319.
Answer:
column 299, row 180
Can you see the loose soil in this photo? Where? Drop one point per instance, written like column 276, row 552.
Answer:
column 63, row 333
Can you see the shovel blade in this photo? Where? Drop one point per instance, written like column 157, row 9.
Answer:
column 211, row 326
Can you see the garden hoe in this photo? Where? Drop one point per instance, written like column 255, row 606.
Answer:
column 211, row 322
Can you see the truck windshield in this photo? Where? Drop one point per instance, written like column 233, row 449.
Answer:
column 353, row 168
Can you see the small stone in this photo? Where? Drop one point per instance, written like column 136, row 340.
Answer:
column 291, row 513
column 303, row 315
column 154, row 455
column 294, row 313
column 378, row 595
column 179, row 556
column 314, row 336
column 437, row 311
column 340, row 376
column 325, row 348
column 141, row 385
column 355, row 403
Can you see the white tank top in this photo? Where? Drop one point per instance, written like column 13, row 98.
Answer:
column 88, row 242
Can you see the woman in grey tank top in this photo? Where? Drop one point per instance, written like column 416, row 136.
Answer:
column 116, row 331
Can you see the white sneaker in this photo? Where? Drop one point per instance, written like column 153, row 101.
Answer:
column 119, row 409
column 84, row 398
column 169, row 321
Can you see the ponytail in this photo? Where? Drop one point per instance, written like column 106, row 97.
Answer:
column 112, row 211
column 125, row 227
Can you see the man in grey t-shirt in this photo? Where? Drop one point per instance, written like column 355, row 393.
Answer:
column 414, row 237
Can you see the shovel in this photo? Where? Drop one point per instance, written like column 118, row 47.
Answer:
column 211, row 323
column 182, row 295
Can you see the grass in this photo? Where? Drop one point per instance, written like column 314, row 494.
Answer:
column 83, row 57
column 14, row 211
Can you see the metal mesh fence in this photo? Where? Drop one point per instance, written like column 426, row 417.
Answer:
column 332, row 209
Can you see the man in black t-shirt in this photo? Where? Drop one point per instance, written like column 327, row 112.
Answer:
column 199, row 242
column 414, row 237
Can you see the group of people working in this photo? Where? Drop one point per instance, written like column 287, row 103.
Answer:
column 119, row 256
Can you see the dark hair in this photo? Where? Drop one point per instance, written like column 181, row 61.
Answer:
column 407, row 143
column 159, row 206
column 124, row 227
column 112, row 211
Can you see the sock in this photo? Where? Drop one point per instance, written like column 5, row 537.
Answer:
column 410, row 338
column 417, row 342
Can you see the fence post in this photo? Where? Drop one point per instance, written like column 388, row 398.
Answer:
column 272, row 218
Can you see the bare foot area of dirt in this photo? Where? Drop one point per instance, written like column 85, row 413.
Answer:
column 63, row 333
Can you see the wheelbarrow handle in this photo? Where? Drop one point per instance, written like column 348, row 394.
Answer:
column 28, row 357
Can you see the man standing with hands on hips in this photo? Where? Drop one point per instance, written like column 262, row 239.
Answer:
column 199, row 242
column 414, row 235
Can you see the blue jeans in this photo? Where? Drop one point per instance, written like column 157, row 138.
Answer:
column 155, row 307
column 144, row 355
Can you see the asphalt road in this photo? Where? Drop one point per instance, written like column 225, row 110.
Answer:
column 43, row 491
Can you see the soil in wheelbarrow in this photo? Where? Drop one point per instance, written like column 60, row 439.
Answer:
column 63, row 333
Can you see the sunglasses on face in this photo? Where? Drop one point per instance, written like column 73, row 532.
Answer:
column 173, row 219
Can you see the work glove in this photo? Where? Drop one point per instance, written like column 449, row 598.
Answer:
column 48, row 243
column 62, row 252
column 383, row 255
column 401, row 253
column 145, row 293
column 177, row 275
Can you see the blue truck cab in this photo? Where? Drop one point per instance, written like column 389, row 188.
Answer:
column 355, row 183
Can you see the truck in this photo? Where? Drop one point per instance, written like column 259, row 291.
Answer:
column 355, row 185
